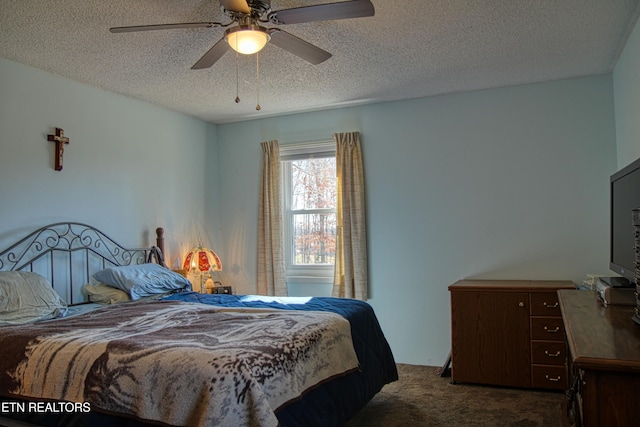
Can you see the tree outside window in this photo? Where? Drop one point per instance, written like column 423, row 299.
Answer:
column 311, row 211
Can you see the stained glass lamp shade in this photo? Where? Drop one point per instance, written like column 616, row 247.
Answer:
column 202, row 261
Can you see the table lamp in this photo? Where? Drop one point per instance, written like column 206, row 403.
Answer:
column 202, row 261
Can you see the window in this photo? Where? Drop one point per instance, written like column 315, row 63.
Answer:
column 309, row 174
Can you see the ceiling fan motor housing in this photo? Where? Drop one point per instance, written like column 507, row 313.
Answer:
column 259, row 8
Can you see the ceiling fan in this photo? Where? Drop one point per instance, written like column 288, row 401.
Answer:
column 249, row 36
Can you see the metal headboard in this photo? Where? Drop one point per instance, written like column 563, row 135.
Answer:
column 68, row 254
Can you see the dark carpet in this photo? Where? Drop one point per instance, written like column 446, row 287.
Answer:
column 421, row 397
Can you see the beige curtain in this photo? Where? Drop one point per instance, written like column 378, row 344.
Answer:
column 350, row 277
column 271, row 276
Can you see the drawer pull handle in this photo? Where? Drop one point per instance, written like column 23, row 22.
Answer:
column 557, row 353
column 556, row 379
column 552, row 331
column 549, row 305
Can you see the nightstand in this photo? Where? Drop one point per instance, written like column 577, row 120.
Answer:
column 222, row 290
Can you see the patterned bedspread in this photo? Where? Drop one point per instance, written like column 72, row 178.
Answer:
column 177, row 363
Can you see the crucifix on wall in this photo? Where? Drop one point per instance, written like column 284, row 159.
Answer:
column 60, row 140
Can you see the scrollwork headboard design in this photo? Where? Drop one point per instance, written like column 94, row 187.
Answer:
column 69, row 253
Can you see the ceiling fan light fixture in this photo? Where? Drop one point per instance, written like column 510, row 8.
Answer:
column 247, row 39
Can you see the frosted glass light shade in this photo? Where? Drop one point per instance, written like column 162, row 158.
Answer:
column 247, row 39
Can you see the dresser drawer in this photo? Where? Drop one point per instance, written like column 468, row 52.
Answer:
column 544, row 304
column 550, row 377
column 548, row 352
column 547, row 328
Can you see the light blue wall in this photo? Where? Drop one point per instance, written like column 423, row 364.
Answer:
column 626, row 81
column 129, row 168
column 508, row 183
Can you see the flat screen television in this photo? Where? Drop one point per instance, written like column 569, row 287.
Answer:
column 625, row 196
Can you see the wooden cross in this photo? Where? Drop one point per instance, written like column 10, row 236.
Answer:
column 60, row 140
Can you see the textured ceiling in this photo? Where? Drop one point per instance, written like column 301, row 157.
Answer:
column 409, row 49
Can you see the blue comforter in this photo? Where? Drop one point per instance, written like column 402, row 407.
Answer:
column 338, row 400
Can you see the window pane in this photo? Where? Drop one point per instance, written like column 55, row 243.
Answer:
column 314, row 239
column 313, row 183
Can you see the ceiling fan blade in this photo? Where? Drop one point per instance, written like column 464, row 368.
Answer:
column 236, row 5
column 164, row 27
column 297, row 46
column 212, row 55
column 323, row 12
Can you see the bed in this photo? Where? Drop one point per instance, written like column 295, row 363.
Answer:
column 163, row 354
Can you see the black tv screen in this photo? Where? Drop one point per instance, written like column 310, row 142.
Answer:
column 625, row 196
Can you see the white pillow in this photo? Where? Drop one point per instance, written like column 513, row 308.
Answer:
column 27, row 297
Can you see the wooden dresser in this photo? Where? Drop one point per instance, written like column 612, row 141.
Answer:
column 604, row 361
column 508, row 333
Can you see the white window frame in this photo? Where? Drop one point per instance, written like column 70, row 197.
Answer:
column 300, row 151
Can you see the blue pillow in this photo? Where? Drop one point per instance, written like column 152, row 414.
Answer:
column 143, row 280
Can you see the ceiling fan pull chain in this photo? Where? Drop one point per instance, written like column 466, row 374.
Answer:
column 258, row 81
column 237, row 81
